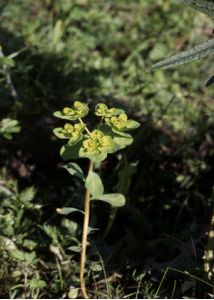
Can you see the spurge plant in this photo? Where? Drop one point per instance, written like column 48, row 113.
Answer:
column 108, row 136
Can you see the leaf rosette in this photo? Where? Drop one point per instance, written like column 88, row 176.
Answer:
column 77, row 111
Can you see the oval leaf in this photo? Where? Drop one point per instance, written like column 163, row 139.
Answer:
column 115, row 200
column 75, row 170
column 94, row 184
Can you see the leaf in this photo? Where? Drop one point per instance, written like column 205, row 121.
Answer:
column 206, row 7
column 7, row 61
column 26, row 257
column 70, row 152
column 27, row 195
column 37, row 283
column 94, row 184
column 59, row 132
column 196, row 53
column 121, row 139
column 70, row 226
column 68, row 210
column 115, row 200
column 8, row 127
column 158, row 52
column 210, row 81
column 96, row 267
column 95, row 158
column 75, row 170
column 51, row 231
column 61, row 115
column 73, row 293
column 75, row 248
column 132, row 124
column 56, row 250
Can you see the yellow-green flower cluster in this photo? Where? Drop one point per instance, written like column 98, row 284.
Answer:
column 77, row 111
column 97, row 143
column 121, row 123
column 103, row 111
column 72, row 132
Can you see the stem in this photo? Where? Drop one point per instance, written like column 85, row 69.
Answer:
column 86, row 129
column 84, row 238
column 101, row 121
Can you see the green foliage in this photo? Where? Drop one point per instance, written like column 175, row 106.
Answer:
column 8, row 127
column 197, row 52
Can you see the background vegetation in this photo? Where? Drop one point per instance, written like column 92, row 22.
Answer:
column 103, row 51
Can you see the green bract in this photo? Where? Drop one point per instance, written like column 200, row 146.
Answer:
column 103, row 111
column 77, row 111
column 121, row 123
column 97, row 146
column 71, row 132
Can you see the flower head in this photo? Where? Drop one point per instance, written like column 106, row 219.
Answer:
column 97, row 143
column 71, row 132
column 121, row 123
column 102, row 110
column 78, row 110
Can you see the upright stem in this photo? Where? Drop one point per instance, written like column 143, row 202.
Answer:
column 84, row 237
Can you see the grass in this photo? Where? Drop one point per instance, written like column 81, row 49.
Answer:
column 103, row 51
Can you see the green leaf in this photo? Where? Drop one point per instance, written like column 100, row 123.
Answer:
column 36, row 283
column 51, row 231
column 60, row 133
column 74, row 170
column 95, row 158
column 196, row 53
column 98, row 158
column 27, row 195
column 94, row 184
column 7, row 61
column 132, row 124
column 70, row 226
column 70, row 152
column 68, row 210
column 96, row 267
column 115, row 200
column 73, row 293
column 61, row 115
column 121, row 139
column 8, row 127
column 158, row 52
column 23, row 256
column 206, row 7
column 75, row 248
